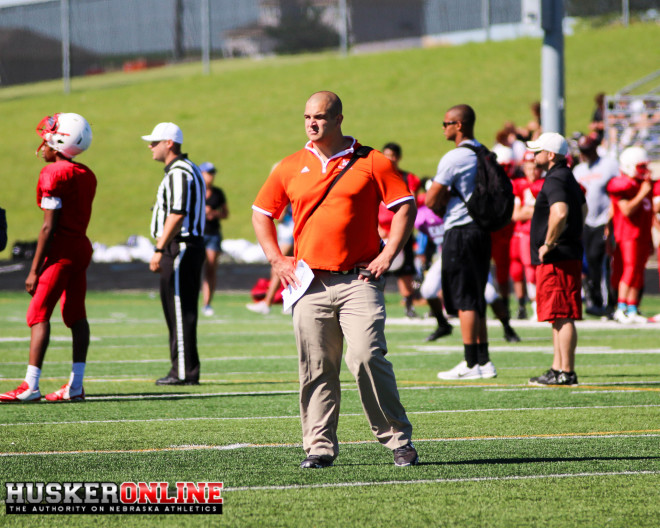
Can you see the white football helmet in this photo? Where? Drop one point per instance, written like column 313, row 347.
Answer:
column 633, row 161
column 69, row 134
column 504, row 154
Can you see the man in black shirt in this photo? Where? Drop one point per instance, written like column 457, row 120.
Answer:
column 556, row 250
column 216, row 210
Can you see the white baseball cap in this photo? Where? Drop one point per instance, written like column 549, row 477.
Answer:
column 550, row 142
column 165, row 131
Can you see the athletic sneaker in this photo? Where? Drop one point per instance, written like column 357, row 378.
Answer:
column 510, row 335
column 636, row 318
column 522, row 313
column 488, row 370
column 22, row 393
column 208, row 311
column 547, row 378
column 620, row 317
column 406, row 455
column 316, row 462
column 567, row 378
column 64, row 394
column 461, row 372
column 439, row 332
column 260, row 307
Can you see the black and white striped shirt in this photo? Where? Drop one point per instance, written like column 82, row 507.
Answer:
column 182, row 191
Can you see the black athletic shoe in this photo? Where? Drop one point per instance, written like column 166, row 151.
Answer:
column 510, row 335
column 316, row 462
column 522, row 313
column 548, row 378
column 568, row 379
column 171, row 380
column 439, row 332
column 406, row 455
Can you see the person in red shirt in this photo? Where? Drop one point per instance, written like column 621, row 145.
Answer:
column 405, row 274
column 336, row 235
column 632, row 217
column 65, row 193
column 523, row 272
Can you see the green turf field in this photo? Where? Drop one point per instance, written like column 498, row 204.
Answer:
column 494, row 452
column 247, row 115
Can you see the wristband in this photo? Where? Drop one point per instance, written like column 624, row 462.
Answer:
column 158, row 250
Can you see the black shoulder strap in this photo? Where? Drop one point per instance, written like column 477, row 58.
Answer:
column 362, row 152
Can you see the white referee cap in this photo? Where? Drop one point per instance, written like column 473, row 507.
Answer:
column 165, row 131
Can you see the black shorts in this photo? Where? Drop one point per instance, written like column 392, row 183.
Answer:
column 465, row 267
column 408, row 267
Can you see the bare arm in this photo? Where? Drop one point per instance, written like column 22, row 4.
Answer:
column 628, row 207
column 284, row 267
column 556, row 225
column 437, row 198
column 171, row 228
column 402, row 225
column 51, row 218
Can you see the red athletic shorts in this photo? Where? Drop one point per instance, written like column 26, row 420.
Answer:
column 64, row 277
column 558, row 290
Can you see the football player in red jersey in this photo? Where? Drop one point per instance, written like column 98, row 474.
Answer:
column 65, row 193
column 632, row 216
column 525, row 191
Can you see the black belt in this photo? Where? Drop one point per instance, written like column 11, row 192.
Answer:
column 352, row 271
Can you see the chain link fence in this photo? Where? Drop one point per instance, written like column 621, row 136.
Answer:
column 49, row 39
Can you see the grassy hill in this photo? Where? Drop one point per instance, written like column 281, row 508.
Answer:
column 247, row 114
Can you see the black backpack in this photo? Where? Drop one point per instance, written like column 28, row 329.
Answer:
column 491, row 202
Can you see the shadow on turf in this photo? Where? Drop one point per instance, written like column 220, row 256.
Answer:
column 535, row 460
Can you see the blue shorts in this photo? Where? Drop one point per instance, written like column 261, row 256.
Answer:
column 213, row 242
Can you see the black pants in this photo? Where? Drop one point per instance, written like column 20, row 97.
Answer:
column 595, row 255
column 180, row 276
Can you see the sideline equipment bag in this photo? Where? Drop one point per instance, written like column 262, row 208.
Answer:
column 491, row 202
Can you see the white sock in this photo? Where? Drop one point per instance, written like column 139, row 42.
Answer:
column 32, row 377
column 76, row 378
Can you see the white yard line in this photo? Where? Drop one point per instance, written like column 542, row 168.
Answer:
column 296, row 417
column 441, row 481
column 655, row 433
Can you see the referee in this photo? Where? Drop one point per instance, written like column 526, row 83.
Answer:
column 177, row 225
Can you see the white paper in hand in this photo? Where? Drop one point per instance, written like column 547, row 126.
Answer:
column 290, row 295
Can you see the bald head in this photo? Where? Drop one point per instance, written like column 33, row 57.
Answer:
column 330, row 100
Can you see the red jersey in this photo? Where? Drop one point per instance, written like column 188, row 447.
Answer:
column 638, row 225
column 384, row 214
column 69, row 187
column 522, row 192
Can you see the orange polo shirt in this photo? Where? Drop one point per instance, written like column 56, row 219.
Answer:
column 343, row 231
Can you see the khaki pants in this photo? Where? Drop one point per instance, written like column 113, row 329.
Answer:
column 333, row 308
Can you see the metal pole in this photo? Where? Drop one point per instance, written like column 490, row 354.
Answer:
column 66, row 45
column 343, row 27
column 625, row 8
column 206, row 37
column 552, row 64
column 485, row 17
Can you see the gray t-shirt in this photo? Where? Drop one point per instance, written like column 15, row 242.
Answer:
column 457, row 169
column 594, row 179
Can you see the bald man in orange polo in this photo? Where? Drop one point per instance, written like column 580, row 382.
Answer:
column 339, row 241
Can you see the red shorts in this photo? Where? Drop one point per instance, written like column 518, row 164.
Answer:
column 64, row 277
column 558, row 290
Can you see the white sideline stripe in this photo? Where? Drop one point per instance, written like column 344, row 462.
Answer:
column 442, row 481
column 590, row 324
column 242, row 418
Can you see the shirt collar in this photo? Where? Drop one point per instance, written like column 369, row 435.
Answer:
column 179, row 157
